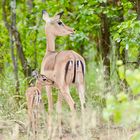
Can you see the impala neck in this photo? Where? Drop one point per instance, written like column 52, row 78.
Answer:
column 50, row 42
column 39, row 85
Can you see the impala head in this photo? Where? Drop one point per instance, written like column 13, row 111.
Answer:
column 41, row 79
column 55, row 26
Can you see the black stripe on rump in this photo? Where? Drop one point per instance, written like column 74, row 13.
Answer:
column 78, row 63
column 73, row 81
column 82, row 67
column 66, row 69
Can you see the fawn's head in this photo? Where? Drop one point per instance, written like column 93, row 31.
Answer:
column 55, row 26
column 41, row 79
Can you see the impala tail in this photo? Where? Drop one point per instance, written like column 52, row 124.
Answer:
column 74, row 72
column 69, row 71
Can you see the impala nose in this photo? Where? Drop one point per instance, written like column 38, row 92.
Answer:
column 73, row 31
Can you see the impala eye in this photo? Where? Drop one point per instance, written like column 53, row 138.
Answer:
column 44, row 79
column 60, row 23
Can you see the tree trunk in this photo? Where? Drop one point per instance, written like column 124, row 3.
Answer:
column 30, row 5
column 26, row 68
column 105, row 44
column 120, row 19
column 12, row 28
column 138, row 8
column 14, row 60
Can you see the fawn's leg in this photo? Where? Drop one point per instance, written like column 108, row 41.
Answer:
column 59, row 111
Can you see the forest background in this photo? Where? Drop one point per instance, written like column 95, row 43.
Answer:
column 107, row 36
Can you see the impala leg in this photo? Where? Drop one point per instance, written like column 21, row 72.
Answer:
column 50, row 99
column 37, row 121
column 59, row 111
column 43, row 113
column 50, row 109
column 81, row 91
column 30, row 127
column 66, row 94
column 30, row 117
column 35, row 125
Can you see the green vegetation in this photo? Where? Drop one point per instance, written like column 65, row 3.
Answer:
column 107, row 36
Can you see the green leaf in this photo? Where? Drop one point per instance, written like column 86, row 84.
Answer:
column 122, row 97
column 119, row 62
column 121, row 72
column 133, row 80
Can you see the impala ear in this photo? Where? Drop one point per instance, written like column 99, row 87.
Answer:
column 45, row 16
column 35, row 74
column 60, row 14
column 57, row 16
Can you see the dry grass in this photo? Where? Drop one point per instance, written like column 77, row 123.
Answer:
column 88, row 127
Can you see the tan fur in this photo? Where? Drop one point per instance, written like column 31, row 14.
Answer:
column 49, row 63
column 54, row 64
column 34, row 102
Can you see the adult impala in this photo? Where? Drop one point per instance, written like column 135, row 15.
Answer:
column 64, row 67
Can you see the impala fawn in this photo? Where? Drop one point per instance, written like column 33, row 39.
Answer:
column 34, row 101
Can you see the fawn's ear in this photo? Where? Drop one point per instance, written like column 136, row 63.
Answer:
column 35, row 74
